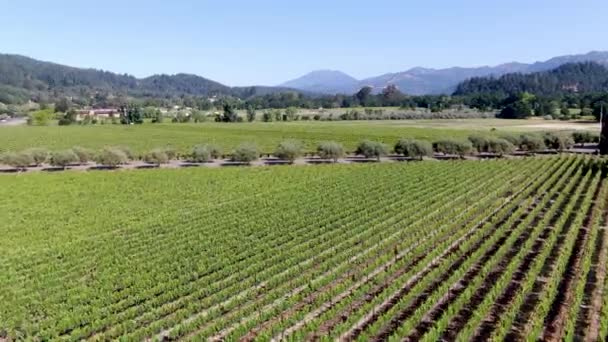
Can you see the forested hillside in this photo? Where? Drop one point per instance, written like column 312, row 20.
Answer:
column 23, row 78
column 585, row 77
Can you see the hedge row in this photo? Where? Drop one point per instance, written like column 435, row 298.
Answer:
column 290, row 150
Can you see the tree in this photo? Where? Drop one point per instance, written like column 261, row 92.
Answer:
column 245, row 153
column 371, row 149
column 558, row 141
column 453, row 147
column 531, row 142
column 156, row 156
column 20, row 160
column 290, row 114
column 229, row 114
column 41, row 117
column 201, row 154
column 289, row 150
column 414, row 148
column 516, row 110
column 62, row 106
column 111, row 157
column 39, row 155
column 500, row 146
column 63, row 158
column 157, row 116
column 267, row 116
column 84, row 154
column 250, row 113
column 330, row 150
column 363, row 95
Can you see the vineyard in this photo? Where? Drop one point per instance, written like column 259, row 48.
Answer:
column 465, row 250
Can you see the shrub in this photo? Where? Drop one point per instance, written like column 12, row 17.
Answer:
column 205, row 152
column 413, row 148
column 479, row 142
column 127, row 151
column 245, row 153
column 512, row 138
column 456, row 147
column 39, row 155
column 289, row 150
column 157, row 156
column 531, row 142
column 500, row 146
column 371, row 149
column 170, row 152
column 111, row 157
column 584, row 137
column 330, row 150
column 63, row 158
column 84, row 154
column 558, row 141
column 19, row 160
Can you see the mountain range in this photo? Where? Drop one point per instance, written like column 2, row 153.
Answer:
column 23, row 79
column 421, row 81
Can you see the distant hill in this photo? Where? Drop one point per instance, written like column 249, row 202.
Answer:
column 325, row 82
column 23, row 78
column 583, row 77
column 421, row 81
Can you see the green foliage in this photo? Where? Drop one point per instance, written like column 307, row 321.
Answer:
column 267, row 116
column 156, row 156
column 290, row 113
column 414, row 148
column 372, row 149
column 19, row 160
column 63, row 158
column 289, row 150
column 84, row 154
column 531, row 142
column 558, row 141
column 330, row 150
column 41, row 117
column 201, row 154
column 245, row 153
column 111, row 157
column 250, row 113
column 39, row 155
column 584, row 137
column 453, row 147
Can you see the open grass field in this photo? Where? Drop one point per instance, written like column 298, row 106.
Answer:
column 266, row 135
column 466, row 250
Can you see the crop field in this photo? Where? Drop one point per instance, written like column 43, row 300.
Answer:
column 267, row 135
column 460, row 250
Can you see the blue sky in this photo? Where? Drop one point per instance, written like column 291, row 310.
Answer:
column 240, row 42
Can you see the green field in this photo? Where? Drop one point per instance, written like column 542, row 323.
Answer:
column 265, row 135
column 360, row 252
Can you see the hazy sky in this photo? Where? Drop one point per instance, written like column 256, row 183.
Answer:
column 268, row 42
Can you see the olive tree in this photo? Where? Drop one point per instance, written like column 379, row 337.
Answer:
column 531, row 142
column 558, row 141
column 413, row 148
column 453, row 147
column 200, row 154
column 111, row 157
column 84, row 154
column 289, row 150
column 245, row 153
column 156, row 156
column 371, row 149
column 39, row 155
column 20, row 160
column 330, row 150
column 500, row 146
column 63, row 158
